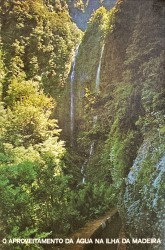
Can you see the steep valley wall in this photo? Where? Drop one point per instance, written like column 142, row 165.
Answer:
column 129, row 132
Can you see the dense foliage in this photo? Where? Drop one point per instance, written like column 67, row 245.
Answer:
column 39, row 196
column 38, row 42
column 129, row 132
column 119, row 129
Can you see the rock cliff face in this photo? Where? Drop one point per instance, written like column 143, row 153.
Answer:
column 81, row 13
column 143, row 203
column 129, row 132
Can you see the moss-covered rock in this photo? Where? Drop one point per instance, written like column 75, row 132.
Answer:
column 142, row 208
column 129, row 131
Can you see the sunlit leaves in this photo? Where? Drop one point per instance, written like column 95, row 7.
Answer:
column 28, row 114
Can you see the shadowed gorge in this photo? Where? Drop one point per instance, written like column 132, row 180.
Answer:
column 82, row 119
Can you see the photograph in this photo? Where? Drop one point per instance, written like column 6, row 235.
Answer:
column 82, row 124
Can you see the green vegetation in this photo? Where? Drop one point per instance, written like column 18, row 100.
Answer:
column 129, row 109
column 39, row 193
column 119, row 130
column 38, row 42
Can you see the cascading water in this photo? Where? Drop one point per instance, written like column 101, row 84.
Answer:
column 95, row 120
column 86, row 161
column 97, row 86
column 72, row 103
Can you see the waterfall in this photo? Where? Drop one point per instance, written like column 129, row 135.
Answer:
column 95, row 118
column 91, row 151
column 97, row 86
column 72, row 103
column 83, row 171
